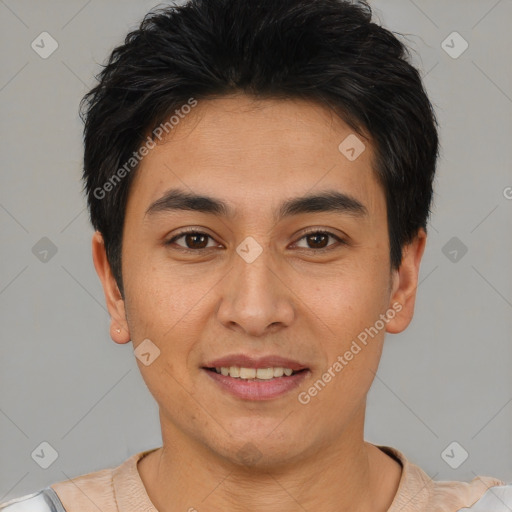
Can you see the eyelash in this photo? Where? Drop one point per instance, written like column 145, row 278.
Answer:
column 340, row 241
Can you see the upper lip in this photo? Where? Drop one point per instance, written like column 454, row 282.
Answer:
column 247, row 361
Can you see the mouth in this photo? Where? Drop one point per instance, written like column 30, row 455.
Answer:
column 256, row 384
column 254, row 374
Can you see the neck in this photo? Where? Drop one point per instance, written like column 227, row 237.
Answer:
column 349, row 475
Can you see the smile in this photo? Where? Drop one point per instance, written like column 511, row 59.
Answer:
column 256, row 384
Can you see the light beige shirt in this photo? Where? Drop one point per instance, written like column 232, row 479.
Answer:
column 120, row 489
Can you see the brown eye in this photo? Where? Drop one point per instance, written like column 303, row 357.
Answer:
column 194, row 240
column 318, row 240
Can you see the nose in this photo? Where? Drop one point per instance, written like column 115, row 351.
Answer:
column 255, row 297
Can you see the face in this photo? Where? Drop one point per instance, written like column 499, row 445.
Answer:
column 304, row 283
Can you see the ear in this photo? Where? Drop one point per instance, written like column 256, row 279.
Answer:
column 115, row 304
column 405, row 283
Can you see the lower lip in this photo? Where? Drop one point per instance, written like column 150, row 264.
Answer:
column 258, row 389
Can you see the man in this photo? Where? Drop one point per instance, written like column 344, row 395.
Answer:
column 259, row 176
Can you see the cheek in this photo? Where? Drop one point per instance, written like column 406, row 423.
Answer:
column 351, row 299
column 351, row 306
column 167, row 306
column 158, row 294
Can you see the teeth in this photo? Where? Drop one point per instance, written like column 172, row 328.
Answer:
column 265, row 373
column 253, row 373
column 247, row 373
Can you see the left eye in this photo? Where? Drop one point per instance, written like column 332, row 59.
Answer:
column 319, row 237
column 199, row 240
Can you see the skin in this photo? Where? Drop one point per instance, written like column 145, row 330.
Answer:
column 292, row 301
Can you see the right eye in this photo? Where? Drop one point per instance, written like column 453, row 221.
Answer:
column 194, row 240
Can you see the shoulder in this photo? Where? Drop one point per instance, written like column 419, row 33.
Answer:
column 46, row 500
column 90, row 492
column 497, row 498
column 418, row 491
column 450, row 496
column 86, row 493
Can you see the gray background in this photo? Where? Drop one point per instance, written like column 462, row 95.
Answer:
column 62, row 380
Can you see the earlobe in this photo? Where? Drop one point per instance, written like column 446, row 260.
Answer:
column 118, row 334
column 405, row 284
column 119, row 331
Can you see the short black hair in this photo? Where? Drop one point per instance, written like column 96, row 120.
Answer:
column 328, row 51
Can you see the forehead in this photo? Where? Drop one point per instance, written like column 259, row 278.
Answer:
column 247, row 151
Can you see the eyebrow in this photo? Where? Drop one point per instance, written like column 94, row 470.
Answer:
column 328, row 201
